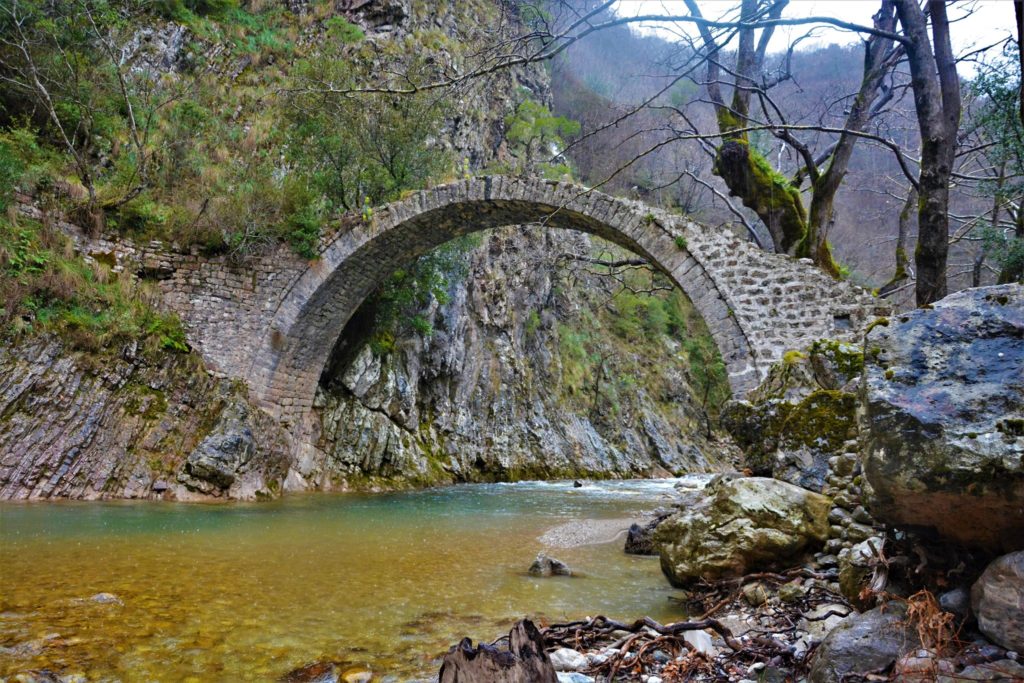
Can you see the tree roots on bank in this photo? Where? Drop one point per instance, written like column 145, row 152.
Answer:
column 770, row 640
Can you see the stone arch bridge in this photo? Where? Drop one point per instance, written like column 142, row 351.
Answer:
column 275, row 323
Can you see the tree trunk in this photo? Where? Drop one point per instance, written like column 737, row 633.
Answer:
column 1018, row 10
column 877, row 63
column 902, row 271
column 932, row 225
column 937, row 101
column 761, row 189
column 1014, row 270
column 525, row 661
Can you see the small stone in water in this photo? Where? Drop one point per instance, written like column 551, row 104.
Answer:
column 106, row 599
column 549, row 566
column 358, row 675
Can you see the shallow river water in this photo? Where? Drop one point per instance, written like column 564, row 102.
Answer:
column 252, row 591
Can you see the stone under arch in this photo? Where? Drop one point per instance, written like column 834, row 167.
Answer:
column 756, row 304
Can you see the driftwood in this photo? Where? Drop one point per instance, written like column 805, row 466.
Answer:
column 525, row 660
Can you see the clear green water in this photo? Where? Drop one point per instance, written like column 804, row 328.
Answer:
column 250, row 592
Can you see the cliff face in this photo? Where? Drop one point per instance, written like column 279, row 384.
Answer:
column 534, row 367
column 74, row 425
column 522, row 377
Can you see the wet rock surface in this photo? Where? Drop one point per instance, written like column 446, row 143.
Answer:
column 944, row 415
column 125, row 427
column 544, row 565
column 741, row 525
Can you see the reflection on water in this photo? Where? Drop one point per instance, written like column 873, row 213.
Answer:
column 249, row 592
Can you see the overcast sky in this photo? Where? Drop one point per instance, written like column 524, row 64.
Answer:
column 991, row 20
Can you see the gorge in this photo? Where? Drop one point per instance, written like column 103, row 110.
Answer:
column 320, row 320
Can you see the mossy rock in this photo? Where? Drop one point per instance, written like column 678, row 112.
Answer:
column 739, row 526
column 822, row 422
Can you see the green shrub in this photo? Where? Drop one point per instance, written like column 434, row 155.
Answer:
column 338, row 29
column 11, row 169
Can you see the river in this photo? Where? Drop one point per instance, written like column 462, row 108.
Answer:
column 252, row 591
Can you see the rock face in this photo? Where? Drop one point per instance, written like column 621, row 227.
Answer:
column 223, row 462
column 741, row 525
column 492, row 393
column 471, row 401
column 549, row 566
column 802, row 414
column 862, row 644
column 944, row 418
column 998, row 601
column 126, row 426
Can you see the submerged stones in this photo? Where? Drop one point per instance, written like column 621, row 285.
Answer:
column 741, row 525
column 944, row 418
column 328, row 672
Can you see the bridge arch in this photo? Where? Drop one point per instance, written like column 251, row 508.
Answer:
column 756, row 304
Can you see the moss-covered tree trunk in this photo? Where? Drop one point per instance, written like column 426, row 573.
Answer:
column 902, row 270
column 775, row 201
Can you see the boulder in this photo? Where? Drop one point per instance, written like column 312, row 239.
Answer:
column 741, row 525
column 215, row 462
column 549, row 566
column 1001, row 671
column 998, row 601
column 943, row 418
column 862, row 644
column 801, row 415
column 791, row 440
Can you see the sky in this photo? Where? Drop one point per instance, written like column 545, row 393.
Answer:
column 991, row 20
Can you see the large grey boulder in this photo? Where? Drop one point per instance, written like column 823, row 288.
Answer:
column 944, row 418
column 998, row 601
column 862, row 644
column 216, row 461
column 741, row 525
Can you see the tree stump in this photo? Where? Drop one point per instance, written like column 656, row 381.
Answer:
column 525, row 660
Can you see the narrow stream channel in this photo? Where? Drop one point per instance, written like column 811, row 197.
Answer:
column 250, row 592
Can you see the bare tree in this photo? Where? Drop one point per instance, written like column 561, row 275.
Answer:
column 937, row 101
column 776, row 199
